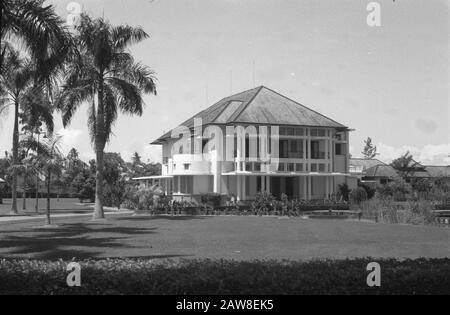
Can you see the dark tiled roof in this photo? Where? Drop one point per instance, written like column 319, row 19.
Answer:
column 260, row 105
column 381, row 170
column 438, row 171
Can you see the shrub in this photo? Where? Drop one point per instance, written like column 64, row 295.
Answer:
column 358, row 195
column 225, row 277
column 343, row 191
column 263, row 203
column 369, row 190
column 148, row 197
column 212, row 199
column 387, row 211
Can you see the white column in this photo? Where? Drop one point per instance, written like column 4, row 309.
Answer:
column 309, row 187
column 244, row 194
column 305, row 191
column 309, row 150
column 268, row 184
column 238, row 187
column 263, row 183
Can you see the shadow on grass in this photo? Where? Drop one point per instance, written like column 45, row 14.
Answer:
column 161, row 217
column 79, row 240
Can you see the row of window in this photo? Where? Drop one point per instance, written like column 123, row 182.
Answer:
column 285, row 167
column 293, row 131
column 293, row 149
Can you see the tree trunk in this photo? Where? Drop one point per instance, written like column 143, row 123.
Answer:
column 15, row 153
column 24, row 200
column 24, row 194
column 36, row 207
column 99, row 146
column 49, row 174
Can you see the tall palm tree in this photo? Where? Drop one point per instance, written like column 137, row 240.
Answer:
column 39, row 29
column 105, row 76
column 18, row 83
column 52, row 162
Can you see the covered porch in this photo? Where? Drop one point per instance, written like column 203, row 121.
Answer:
column 164, row 181
column 311, row 186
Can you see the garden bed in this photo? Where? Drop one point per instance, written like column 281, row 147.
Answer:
column 206, row 277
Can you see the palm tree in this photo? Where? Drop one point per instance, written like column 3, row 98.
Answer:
column 19, row 90
column 105, row 76
column 406, row 165
column 52, row 161
column 39, row 29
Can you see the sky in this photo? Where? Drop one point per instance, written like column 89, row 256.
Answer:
column 390, row 82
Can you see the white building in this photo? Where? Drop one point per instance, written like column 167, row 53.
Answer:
column 312, row 159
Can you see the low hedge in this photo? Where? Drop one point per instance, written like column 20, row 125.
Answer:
column 210, row 277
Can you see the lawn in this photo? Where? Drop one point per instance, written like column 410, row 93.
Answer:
column 63, row 205
column 228, row 237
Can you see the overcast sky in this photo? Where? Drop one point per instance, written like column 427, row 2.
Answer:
column 389, row 82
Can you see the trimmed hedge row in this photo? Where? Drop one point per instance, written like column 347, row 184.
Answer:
column 143, row 276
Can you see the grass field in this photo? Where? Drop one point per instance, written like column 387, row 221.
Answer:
column 66, row 205
column 229, row 237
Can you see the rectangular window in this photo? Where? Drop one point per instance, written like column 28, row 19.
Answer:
column 321, row 167
column 339, row 149
column 257, row 167
column 186, row 166
column 291, row 167
column 293, row 144
column 313, row 167
column 186, row 184
column 175, row 183
column 299, row 131
column 315, row 153
column 283, row 151
column 281, row 167
column 299, row 167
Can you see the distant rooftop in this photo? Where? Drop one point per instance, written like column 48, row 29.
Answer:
column 365, row 163
column 259, row 105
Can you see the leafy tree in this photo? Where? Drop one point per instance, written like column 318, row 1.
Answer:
column 74, row 166
column 105, row 75
column 369, row 151
column 136, row 159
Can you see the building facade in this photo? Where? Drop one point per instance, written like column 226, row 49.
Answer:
column 308, row 153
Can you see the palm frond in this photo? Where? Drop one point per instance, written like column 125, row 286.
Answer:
column 92, row 121
column 71, row 97
column 129, row 96
column 110, row 111
column 125, row 35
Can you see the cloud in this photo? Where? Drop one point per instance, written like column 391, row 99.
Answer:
column 430, row 154
column 69, row 139
column 87, row 156
column 426, row 125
